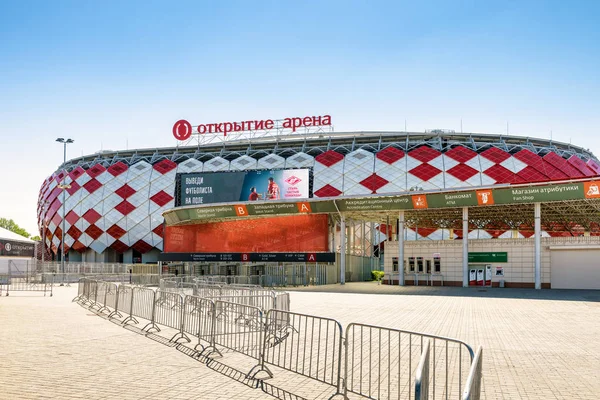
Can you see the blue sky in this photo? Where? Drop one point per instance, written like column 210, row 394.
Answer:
column 113, row 74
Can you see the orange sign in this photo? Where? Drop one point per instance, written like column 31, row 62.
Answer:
column 419, row 201
column 241, row 210
column 485, row 197
column 591, row 190
column 304, row 207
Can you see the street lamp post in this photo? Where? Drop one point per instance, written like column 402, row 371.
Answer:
column 65, row 142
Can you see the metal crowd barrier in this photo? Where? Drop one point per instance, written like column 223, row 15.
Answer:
column 473, row 387
column 27, row 282
column 377, row 362
column 308, row 345
column 422, row 375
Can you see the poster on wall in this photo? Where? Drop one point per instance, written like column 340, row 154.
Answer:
column 226, row 187
column 499, row 271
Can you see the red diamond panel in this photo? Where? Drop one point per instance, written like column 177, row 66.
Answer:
column 117, row 168
column 329, row 158
column 390, row 155
column 460, row 154
column 462, row 172
column 79, row 247
column 72, row 217
column 125, row 191
column 142, row 246
column 495, row 154
column 593, row 165
column 552, row 172
column 76, row 173
column 116, row 231
column 424, row 154
column 74, row 187
column 74, row 232
column 58, row 177
column 533, row 160
column 161, row 198
column 92, row 185
column 119, row 246
column 95, row 170
column 530, row 174
column 93, row 231
column 425, row 172
column 56, row 219
column 124, row 207
column 159, row 231
column 91, row 216
column 580, row 165
column 164, row 166
column 500, row 174
column 327, row 191
column 374, row 182
column 562, row 164
column 58, row 233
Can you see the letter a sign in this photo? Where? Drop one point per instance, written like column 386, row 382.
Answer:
column 311, row 257
column 304, row 207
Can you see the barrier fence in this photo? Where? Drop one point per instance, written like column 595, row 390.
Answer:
column 16, row 280
column 369, row 361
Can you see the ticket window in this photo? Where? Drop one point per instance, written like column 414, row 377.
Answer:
column 395, row 264
column 437, row 265
column 232, row 269
column 411, row 264
column 420, row 265
column 428, row 266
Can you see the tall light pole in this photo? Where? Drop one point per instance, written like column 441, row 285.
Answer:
column 64, row 187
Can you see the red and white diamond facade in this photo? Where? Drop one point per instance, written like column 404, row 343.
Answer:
column 115, row 200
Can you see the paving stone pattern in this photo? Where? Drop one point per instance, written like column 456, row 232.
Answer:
column 537, row 345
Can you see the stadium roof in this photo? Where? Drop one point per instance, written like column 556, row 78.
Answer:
column 322, row 141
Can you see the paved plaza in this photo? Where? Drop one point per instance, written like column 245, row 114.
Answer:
column 537, row 344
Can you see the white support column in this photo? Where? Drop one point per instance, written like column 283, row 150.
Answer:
column 401, row 248
column 538, row 245
column 343, row 251
column 363, row 239
column 465, row 240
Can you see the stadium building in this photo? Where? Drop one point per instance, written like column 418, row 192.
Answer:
column 116, row 203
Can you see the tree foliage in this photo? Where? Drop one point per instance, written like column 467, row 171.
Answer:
column 13, row 227
column 36, row 238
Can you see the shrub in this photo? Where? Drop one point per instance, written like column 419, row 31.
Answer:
column 377, row 275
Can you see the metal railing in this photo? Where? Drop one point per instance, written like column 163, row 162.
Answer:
column 24, row 281
column 422, row 375
column 380, row 362
column 369, row 361
column 473, row 386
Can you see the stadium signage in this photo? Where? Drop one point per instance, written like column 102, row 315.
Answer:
column 16, row 249
column 248, row 257
column 183, row 130
column 484, row 197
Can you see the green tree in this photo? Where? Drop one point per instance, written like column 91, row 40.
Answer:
column 36, row 238
column 13, row 227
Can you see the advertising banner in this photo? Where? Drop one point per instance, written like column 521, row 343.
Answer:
column 16, row 249
column 293, row 234
column 226, row 187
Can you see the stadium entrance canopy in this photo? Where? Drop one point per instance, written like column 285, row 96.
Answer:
column 560, row 206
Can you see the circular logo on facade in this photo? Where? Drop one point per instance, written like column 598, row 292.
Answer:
column 182, row 130
column 7, row 246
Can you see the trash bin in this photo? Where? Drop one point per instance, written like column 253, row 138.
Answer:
column 501, row 284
